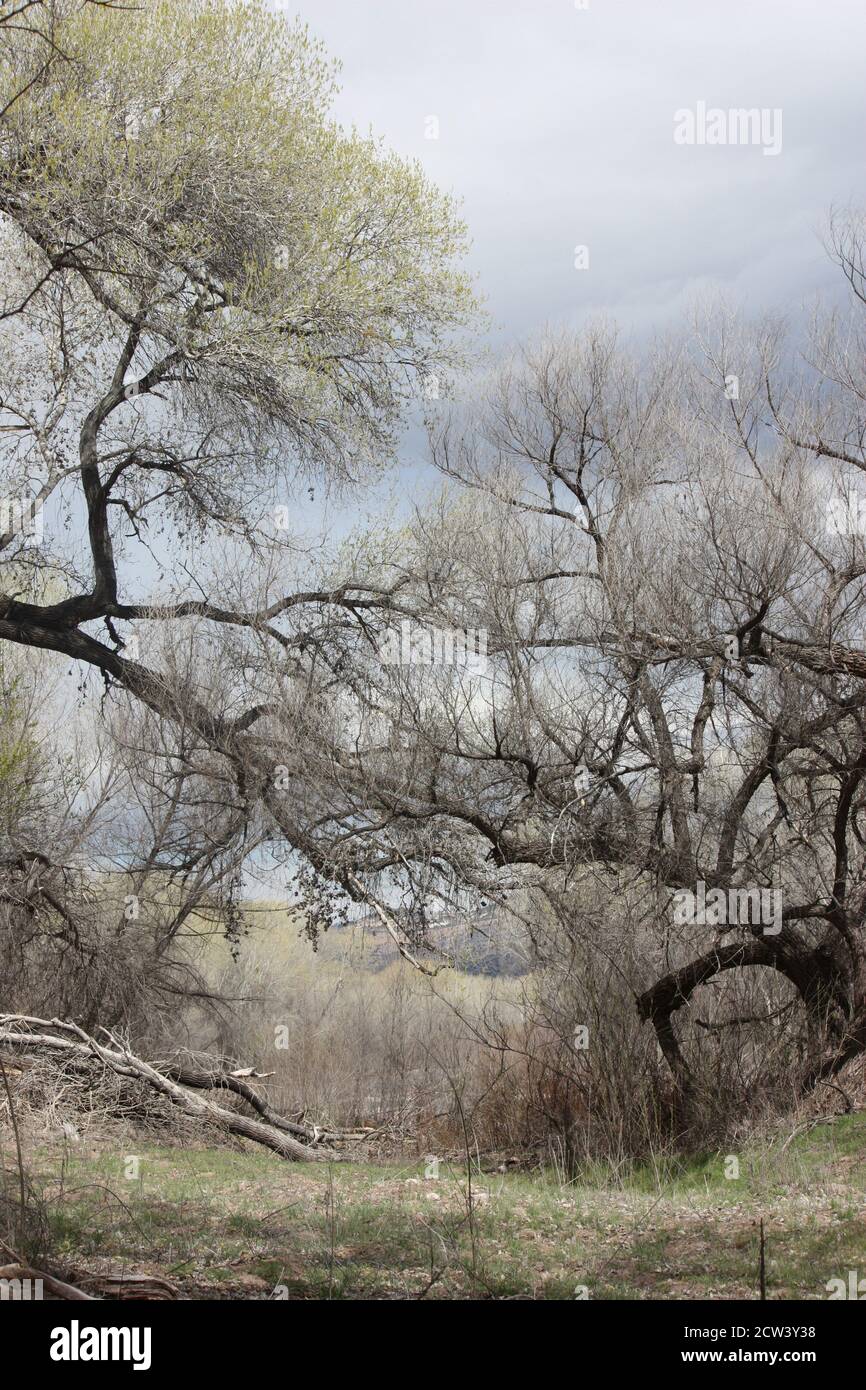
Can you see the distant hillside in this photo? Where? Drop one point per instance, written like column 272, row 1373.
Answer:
column 486, row 943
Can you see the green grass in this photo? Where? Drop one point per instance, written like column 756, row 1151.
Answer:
column 223, row 1222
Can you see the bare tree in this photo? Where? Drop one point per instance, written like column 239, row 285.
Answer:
column 674, row 697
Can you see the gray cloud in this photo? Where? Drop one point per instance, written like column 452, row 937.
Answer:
column 556, row 129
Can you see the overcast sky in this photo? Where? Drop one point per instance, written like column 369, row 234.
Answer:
column 556, row 129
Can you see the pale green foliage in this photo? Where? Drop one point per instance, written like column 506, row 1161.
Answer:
column 18, row 752
column 294, row 278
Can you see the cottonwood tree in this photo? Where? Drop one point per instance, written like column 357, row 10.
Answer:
column 35, row 25
column 675, row 693
column 214, row 299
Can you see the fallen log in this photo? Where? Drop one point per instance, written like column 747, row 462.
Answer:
column 140, row 1287
column 66, row 1040
column 58, row 1287
column 198, row 1077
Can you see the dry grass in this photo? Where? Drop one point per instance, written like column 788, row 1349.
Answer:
column 226, row 1223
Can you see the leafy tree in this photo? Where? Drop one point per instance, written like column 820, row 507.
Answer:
column 213, row 296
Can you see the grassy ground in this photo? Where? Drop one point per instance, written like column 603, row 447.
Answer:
column 241, row 1224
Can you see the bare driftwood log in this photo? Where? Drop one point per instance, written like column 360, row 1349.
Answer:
column 192, row 1074
column 39, row 1035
